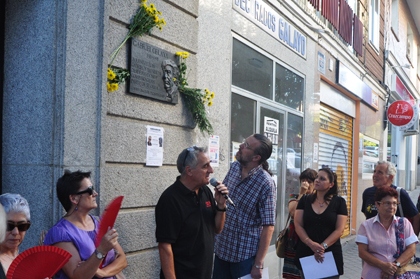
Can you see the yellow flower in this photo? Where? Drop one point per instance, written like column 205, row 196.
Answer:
column 162, row 22
column 111, row 74
column 182, row 54
column 212, row 95
column 114, row 86
column 156, row 19
column 108, row 86
column 207, row 91
column 143, row 1
column 152, row 6
column 210, row 103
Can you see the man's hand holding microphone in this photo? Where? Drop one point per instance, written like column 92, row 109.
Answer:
column 221, row 194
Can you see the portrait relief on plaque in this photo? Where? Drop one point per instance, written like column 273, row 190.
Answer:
column 170, row 78
column 154, row 72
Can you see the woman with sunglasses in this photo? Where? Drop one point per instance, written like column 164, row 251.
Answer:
column 18, row 219
column 77, row 230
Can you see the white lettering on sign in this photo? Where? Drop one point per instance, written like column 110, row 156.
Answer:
column 271, row 22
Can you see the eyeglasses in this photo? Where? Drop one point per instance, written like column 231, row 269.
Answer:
column 189, row 149
column 247, row 145
column 22, row 227
column 387, row 203
column 89, row 190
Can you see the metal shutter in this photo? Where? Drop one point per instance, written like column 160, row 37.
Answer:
column 335, row 150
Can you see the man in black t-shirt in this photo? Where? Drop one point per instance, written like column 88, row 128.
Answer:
column 188, row 217
column 383, row 175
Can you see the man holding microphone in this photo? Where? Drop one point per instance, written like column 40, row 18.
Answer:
column 241, row 247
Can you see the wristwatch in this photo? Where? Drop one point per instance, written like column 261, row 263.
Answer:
column 325, row 245
column 397, row 264
column 259, row 267
column 99, row 255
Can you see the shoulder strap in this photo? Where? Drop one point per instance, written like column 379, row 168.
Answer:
column 399, row 234
column 287, row 222
column 399, row 202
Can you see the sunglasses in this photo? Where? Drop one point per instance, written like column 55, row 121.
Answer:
column 189, row 149
column 89, row 190
column 22, row 227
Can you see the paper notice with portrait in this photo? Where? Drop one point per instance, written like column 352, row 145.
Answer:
column 154, row 146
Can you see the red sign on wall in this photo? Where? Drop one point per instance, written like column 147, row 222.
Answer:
column 398, row 86
column 400, row 113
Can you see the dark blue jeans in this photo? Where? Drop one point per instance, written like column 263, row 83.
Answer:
column 228, row 270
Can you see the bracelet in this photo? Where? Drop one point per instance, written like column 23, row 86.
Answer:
column 259, row 266
column 221, row 210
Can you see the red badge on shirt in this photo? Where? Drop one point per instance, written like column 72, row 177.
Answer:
column 208, row 204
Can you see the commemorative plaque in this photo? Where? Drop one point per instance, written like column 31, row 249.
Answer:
column 153, row 72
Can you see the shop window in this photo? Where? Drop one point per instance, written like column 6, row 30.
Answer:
column 242, row 117
column 251, row 70
column 395, row 18
column 289, row 88
column 374, row 23
column 275, row 111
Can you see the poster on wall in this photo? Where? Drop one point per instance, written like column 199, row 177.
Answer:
column 154, row 146
column 271, row 129
column 370, row 150
column 214, row 151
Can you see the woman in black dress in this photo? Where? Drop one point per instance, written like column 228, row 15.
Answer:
column 320, row 219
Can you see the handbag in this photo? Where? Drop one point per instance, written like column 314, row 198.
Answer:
column 412, row 269
column 281, row 241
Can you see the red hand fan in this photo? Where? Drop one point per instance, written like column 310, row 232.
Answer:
column 108, row 218
column 38, row 262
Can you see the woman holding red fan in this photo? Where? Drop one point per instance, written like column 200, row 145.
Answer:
column 77, row 230
column 18, row 219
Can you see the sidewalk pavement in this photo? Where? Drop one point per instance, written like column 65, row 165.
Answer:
column 352, row 262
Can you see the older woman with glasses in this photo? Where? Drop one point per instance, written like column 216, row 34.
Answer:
column 377, row 241
column 76, row 232
column 18, row 218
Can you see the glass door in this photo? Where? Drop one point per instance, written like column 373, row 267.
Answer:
column 271, row 124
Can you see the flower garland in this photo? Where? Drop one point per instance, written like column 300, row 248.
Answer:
column 146, row 18
column 195, row 98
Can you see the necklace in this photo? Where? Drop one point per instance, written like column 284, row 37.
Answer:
column 321, row 204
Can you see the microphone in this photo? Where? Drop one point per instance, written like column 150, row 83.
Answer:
column 214, row 183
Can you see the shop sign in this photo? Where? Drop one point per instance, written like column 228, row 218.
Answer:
column 400, row 113
column 356, row 86
column 398, row 87
column 271, row 22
